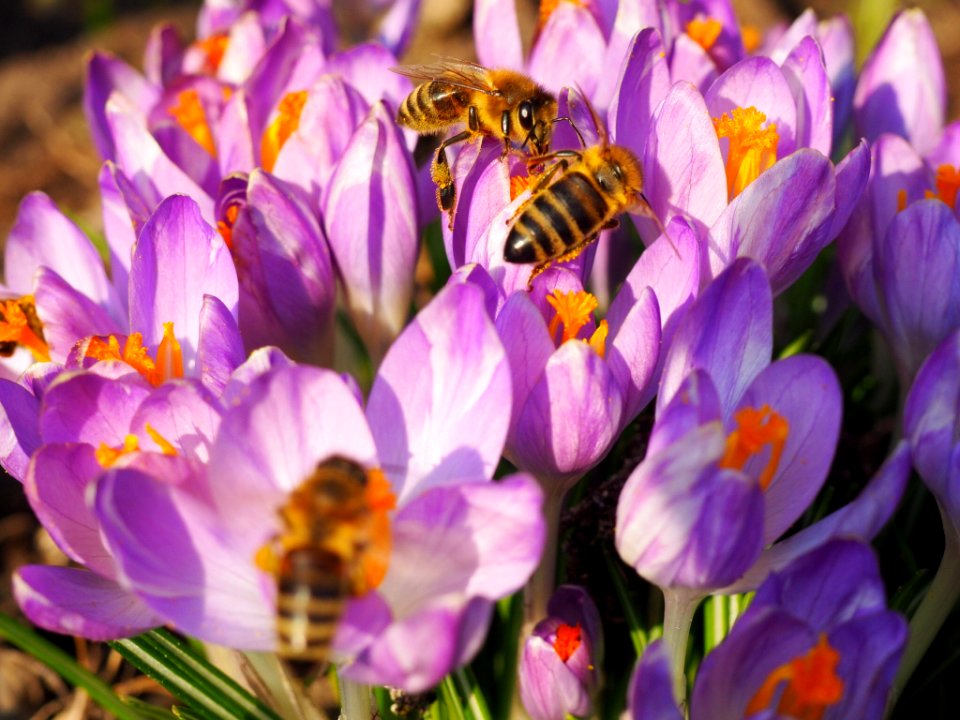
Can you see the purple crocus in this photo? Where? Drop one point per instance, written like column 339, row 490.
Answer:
column 817, row 641
column 559, row 663
column 186, row 543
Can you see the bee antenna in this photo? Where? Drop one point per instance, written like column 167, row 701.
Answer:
column 597, row 123
column 648, row 212
column 575, row 128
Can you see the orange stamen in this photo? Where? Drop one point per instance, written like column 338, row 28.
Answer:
column 567, row 640
column 901, row 200
column 811, row 685
column 225, row 226
column 107, row 456
column 704, row 31
column 752, row 37
column 283, row 126
column 169, row 363
column 191, row 116
column 166, row 447
column 20, row 325
column 755, row 430
column 752, row 149
column 547, row 8
column 948, row 183
column 518, row 185
column 213, row 48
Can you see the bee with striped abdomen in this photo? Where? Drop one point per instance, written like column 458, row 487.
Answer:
column 577, row 196
column 499, row 103
column 334, row 546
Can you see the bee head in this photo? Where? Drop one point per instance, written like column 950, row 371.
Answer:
column 535, row 116
column 618, row 173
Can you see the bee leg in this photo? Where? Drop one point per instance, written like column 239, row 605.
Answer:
column 541, row 183
column 576, row 250
column 443, row 178
column 473, row 120
column 610, row 224
column 537, row 269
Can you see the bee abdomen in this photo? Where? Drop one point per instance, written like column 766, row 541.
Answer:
column 431, row 107
column 310, row 601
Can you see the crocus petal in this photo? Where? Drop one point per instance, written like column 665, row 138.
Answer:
column 163, row 55
column 571, row 416
column 930, row 417
column 917, row 265
column 682, row 523
column 483, row 190
column 286, row 421
column 425, row 424
column 643, row 83
column 948, row 149
column 184, row 413
column 19, row 430
column 143, row 161
column 835, row 36
column 548, row 689
column 852, row 174
column 694, row 404
column 496, row 34
column 167, row 545
column 79, row 602
column 245, row 45
column 650, row 696
column 633, row 351
column 757, row 82
column 285, row 270
column 90, row 408
column 804, row 26
column 42, row 236
column 177, row 260
column 397, row 26
column 685, row 174
column 569, row 50
column 370, row 215
column 691, row 63
column 414, row 653
column 862, row 518
column 56, row 487
column 631, row 18
column 902, row 89
column 68, row 316
column 220, row 350
column 124, row 213
column 261, row 362
column 727, row 332
column 806, row 74
column 105, row 75
column 870, row 651
column 367, row 67
column 804, row 390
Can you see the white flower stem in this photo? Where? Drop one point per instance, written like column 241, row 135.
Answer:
column 941, row 596
column 536, row 595
column 679, row 607
column 355, row 700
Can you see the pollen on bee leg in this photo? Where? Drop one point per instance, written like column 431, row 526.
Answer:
column 753, row 148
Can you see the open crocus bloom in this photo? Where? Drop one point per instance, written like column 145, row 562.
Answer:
column 817, row 641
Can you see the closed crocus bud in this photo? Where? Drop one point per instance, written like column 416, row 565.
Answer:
column 558, row 668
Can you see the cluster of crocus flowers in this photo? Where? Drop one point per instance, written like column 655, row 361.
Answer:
column 262, row 212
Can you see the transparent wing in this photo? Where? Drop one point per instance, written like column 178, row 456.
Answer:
column 455, row 72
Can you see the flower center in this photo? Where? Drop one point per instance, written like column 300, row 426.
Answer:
column 574, row 310
column 753, row 148
column 213, row 49
column 192, row 117
column 168, row 363
column 810, row 685
column 20, row 325
column 704, row 31
column 283, row 126
column 107, row 456
column 755, row 430
column 518, row 185
column 341, row 511
column 225, row 226
column 567, row 640
column 947, row 183
column 752, row 37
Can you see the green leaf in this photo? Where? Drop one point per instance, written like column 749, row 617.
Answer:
column 638, row 636
column 450, row 701
column 207, row 692
column 470, row 689
column 67, row 667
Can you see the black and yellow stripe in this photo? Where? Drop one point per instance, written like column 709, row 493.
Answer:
column 310, row 599
column 432, row 105
column 563, row 216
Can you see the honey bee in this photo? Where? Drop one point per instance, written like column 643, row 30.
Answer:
column 334, row 546
column 499, row 103
column 581, row 194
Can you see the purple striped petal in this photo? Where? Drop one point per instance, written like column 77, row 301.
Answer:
column 691, row 63
column 19, row 428
column 79, row 602
column 220, row 348
column 496, row 34
column 643, row 83
column 631, row 18
column 90, row 408
column 424, row 423
column 106, row 75
column 68, row 316
column 569, row 50
column 650, row 696
column 806, row 74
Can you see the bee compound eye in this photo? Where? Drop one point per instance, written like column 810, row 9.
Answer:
column 525, row 112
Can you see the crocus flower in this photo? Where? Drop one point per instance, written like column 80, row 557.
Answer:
column 816, row 641
column 187, row 544
column 558, row 665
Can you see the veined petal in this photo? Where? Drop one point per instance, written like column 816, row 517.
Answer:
column 726, row 332
column 569, row 51
column 632, row 20
column 633, row 352
column 496, row 34
column 424, row 422
column 68, row 316
column 691, row 63
column 902, row 89
column 366, row 67
column 685, row 174
column 124, row 213
column 181, row 412
column 85, row 407
column 220, row 349
column 106, row 75
column 19, row 428
column 177, row 260
column 79, row 602
column 806, row 74
column 650, row 696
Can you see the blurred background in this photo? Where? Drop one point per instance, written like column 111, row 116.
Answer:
column 45, row 145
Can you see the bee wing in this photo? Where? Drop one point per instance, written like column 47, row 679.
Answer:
column 454, row 72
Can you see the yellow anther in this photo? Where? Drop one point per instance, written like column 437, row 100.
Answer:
column 756, row 429
column 704, row 31
column 753, row 149
column 192, row 117
column 284, row 124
